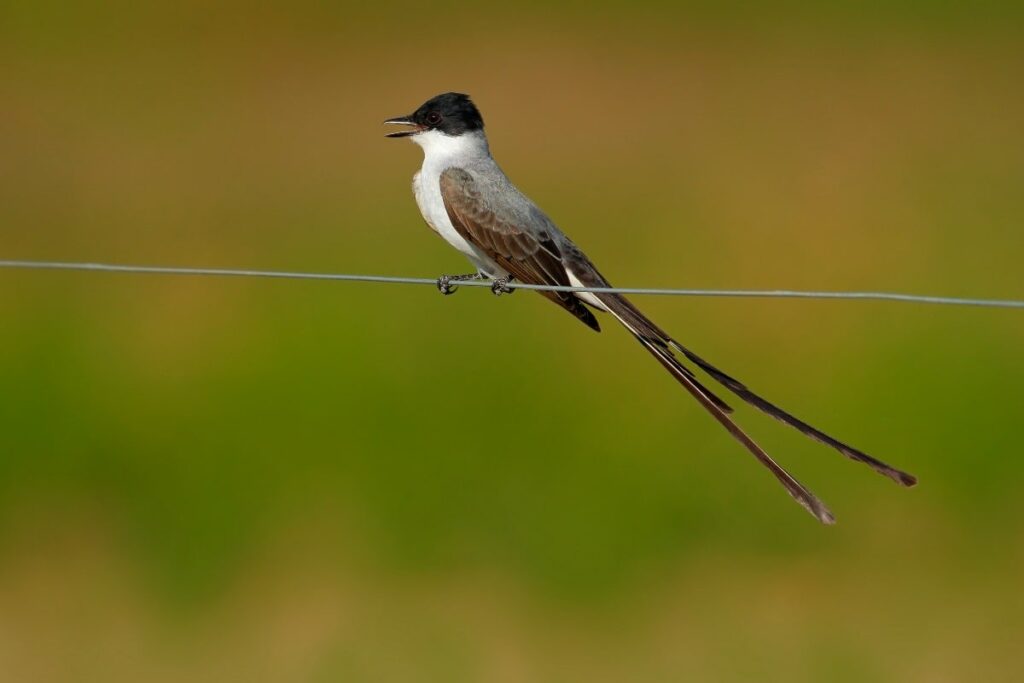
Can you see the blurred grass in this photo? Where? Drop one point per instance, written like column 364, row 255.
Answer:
column 299, row 481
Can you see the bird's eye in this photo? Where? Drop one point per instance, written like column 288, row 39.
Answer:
column 433, row 118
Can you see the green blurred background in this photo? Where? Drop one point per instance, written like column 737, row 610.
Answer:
column 210, row 479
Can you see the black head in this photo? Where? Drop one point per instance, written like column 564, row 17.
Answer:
column 451, row 113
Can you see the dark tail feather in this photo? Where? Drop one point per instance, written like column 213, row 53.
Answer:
column 719, row 403
column 641, row 326
column 682, row 373
column 799, row 492
column 738, row 388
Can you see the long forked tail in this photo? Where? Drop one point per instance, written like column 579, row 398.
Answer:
column 738, row 388
column 660, row 345
column 799, row 492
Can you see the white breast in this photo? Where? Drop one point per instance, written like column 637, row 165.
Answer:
column 426, row 185
column 442, row 152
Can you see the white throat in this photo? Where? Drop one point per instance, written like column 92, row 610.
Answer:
column 441, row 149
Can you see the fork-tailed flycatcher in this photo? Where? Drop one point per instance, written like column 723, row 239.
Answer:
column 466, row 198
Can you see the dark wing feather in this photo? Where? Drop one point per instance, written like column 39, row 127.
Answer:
column 530, row 256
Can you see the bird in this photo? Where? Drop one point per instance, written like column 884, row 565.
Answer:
column 467, row 199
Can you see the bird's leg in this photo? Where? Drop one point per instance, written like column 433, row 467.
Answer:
column 444, row 283
column 500, row 285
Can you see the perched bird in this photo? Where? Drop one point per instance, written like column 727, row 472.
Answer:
column 467, row 199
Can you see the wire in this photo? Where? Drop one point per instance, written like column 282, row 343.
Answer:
column 345, row 277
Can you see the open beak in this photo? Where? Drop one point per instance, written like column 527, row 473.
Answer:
column 403, row 121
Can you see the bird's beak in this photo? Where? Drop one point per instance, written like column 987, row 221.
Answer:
column 403, row 121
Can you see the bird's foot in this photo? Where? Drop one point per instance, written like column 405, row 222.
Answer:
column 500, row 285
column 445, row 286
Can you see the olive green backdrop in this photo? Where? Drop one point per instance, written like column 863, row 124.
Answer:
column 211, row 479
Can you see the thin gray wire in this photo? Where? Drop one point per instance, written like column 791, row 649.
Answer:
column 345, row 277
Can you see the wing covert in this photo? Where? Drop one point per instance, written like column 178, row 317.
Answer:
column 519, row 244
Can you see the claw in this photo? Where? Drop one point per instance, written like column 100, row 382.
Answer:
column 500, row 286
column 444, row 285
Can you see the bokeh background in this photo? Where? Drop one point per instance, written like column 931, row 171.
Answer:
column 211, row 479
